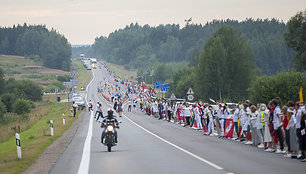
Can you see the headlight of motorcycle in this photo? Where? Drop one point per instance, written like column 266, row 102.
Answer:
column 110, row 128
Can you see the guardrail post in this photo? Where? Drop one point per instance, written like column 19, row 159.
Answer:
column 51, row 125
column 18, row 145
column 64, row 119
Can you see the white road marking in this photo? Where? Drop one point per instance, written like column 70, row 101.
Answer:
column 84, row 165
column 176, row 146
column 85, row 160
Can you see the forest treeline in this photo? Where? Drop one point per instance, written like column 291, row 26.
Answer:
column 136, row 46
column 38, row 43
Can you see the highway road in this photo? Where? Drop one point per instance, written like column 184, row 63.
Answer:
column 148, row 145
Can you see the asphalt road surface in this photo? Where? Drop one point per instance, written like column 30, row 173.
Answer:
column 148, row 145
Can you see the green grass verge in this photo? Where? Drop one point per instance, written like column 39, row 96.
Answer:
column 82, row 74
column 122, row 72
column 34, row 140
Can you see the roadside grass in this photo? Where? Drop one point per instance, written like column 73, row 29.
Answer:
column 122, row 72
column 11, row 121
column 82, row 74
column 37, row 138
column 20, row 68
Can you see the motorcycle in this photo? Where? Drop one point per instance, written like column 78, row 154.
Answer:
column 109, row 139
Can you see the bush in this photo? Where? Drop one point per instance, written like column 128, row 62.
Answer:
column 8, row 99
column 51, row 87
column 24, row 89
column 284, row 86
column 64, row 78
column 22, row 106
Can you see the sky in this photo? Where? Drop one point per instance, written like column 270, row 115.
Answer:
column 81, row 21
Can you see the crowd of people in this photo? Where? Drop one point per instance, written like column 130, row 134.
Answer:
column 270, row 127
column 260, row 125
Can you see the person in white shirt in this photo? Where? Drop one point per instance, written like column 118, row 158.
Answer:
column 75, row 107
column 220, row 115
column 210, row 116
column 298, row 126
column 187, row 113
column 90, row 106
column 245, row 121
column 277, row 125
column 155, row 109
column 197, row 116
column 235, row 120
column 293, row 139
column 182, row 116
column 97, row 109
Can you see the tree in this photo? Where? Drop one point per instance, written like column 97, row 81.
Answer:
column 8, row 100
column 296, row 39
column 225, row 66
column 24, row 89
column 284, row 86
column 22, row 106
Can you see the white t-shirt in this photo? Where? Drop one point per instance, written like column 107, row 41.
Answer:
column 254, row 118
column 219, row 112
column 258, row 118
column 276, row 123
column 293, row 120
column 298, row 117
column 210, row 115
column 187, row 112
column 196, row 111
column 75, row 105
column 155, row 108
column 235, row 115
column 226, row 114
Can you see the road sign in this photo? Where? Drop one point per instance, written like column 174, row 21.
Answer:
column 190, row 92
column 172, row 96
column 167, row 85
column 158, row 82
column 67, row 83
column 190, row 97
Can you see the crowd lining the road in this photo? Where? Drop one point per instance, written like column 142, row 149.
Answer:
column 264, row 126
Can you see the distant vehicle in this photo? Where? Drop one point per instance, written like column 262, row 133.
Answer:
column 80, row 102
column 75, row 95
column 178, row 100
column 82, row 56
column 93, row 61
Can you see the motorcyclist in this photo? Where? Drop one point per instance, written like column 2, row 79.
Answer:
column 109, row 119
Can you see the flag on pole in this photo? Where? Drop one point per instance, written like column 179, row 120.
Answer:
column 301, row 94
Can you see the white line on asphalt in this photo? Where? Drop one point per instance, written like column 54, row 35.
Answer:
column 176, row 146
column 84, row 164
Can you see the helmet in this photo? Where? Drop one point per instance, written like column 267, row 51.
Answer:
column 110, row 112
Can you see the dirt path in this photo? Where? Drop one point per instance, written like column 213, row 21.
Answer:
column 48, row 158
